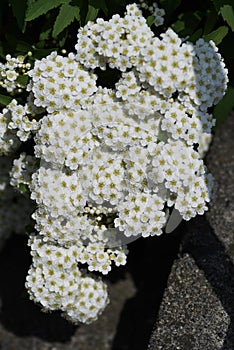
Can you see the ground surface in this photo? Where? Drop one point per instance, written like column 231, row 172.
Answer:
column 197, row 310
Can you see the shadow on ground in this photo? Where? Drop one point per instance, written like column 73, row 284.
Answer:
column 149, row 265
column 18, row 314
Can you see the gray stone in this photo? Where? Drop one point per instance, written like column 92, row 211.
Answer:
column 197, row 310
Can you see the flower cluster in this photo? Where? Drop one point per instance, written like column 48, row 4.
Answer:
column 8, row 138
column 10, row 71
column 60, row 83
column 113, row 162
column 55, row 281
column 155, row 11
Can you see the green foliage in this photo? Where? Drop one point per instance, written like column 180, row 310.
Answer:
column 66, row 16
column 22, row 79
column 42, row 26
column 187, row 23
column 91, row 14
column 99, row 4
column 150, row 20
column 19, row 11
column 23, row 188
column 170, row 6
column 219, row 3
column 5, row 100
column 217, row 35
column 227, row 12
column 224, row 107
column 40, row 7
column 210, row 21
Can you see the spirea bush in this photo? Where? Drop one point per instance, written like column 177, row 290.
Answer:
column 99, row 165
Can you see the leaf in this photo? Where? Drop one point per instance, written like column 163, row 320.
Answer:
column 187, row 23
column 211, row 19
column 22, row 79
column 178, row 26
column 5, row 100
column 83, row 6
column 99, row 4
column 92, row 14
column 196, row 35
column 162, row 135
column 45, row 34
column 227, row 12
column 227, row 48
column 23, row 188
column 23, row 46
column 66, row 16
column 150, row 20
column 19, row 10
column 219, row 3
column 40, row 7
column 224, row 107
column 217, row 35
column 170, row 5
column 39, row 53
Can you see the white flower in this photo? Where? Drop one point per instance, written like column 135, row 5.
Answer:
column 111, row 162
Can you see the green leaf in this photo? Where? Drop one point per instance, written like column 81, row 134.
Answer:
column 83, row 6
column 40, row 7
column 196, row 35
column 224, row 107
column 170, row 5
column 23, row 46
column 92, row 14
column 150, row 20
column 66, row 16
column 178, row 26
column 227, row 12
column 45, row 34
column 39, row 53
column 211, row 19
column 227, row 47
column 217, row 35
column 187, row 23
column 219, row 3
column 162, row 135
column 99, row 4
column 19, row 10
column 5, row 100
column 23, row 188
column 23, row 79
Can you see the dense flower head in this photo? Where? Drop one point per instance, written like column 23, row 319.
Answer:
column 60, row 83
column 55, row 282
column 110, row 164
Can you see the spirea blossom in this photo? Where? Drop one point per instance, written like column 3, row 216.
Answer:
column 156, row 12
column 10, row 71
column 110, row 164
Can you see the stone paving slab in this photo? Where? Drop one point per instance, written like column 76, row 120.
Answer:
column 197, row 310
